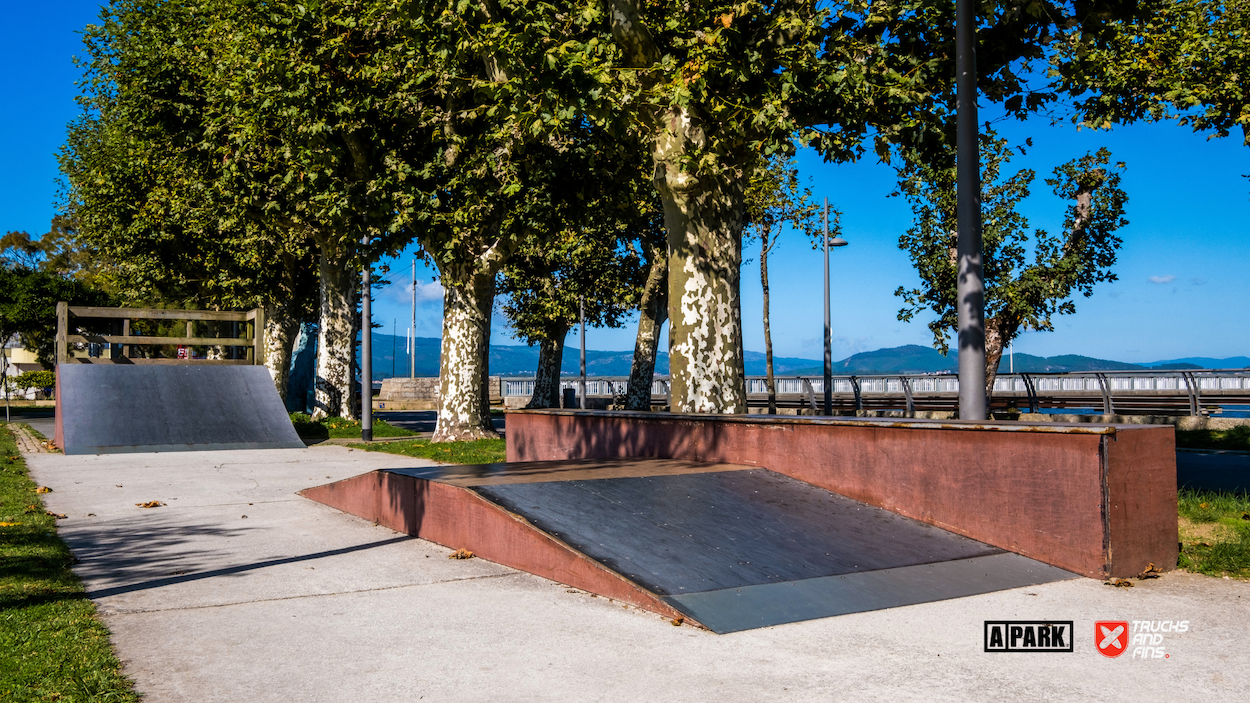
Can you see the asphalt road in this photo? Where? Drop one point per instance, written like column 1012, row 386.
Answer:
column 423, row 421
column 1213, row 470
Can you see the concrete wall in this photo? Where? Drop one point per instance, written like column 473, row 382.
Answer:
column 1099, row 500
column 421, row 393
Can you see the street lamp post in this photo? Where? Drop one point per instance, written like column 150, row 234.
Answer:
column 581, row 313
column 836, row 242
column 366, row 351
column 970, row 283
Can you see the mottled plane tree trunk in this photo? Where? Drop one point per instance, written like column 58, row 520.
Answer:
column 653, row 312
column 336, row 349
column 281, row 329
column 703, row 206
column 547, row 375
column 464, row 368
column 703, row 215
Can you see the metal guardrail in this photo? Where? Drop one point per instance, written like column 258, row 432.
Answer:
column 1140, row 392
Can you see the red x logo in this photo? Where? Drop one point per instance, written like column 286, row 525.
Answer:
column 1111, row 637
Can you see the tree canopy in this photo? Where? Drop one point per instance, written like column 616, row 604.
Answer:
column 1184, row 60
column 1023, row 288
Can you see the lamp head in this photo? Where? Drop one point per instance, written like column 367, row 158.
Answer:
column 838, row 242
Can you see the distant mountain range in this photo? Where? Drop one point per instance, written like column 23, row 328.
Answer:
column 518, row 360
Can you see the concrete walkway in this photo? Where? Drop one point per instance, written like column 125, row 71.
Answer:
column 239, row 590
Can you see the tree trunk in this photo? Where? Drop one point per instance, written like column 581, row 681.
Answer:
column 652, row 314
column 464, row 372
column 703, row 216
column 281, row 329
column 547, row 376
column 768, row 337
column 998, row 334
column 336, row 348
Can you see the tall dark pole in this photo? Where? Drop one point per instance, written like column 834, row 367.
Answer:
column 581, row 312
column 366, row 350
column 970, row 285
column 828, row 325
column 412, row 331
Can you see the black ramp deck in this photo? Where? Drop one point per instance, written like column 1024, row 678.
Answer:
column 115, row 408
column 742, row 549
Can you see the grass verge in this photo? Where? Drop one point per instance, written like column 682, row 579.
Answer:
column 1215, row 532
column 1236, row 438
column 339, row 428
column 52, row 646
column 480, row 451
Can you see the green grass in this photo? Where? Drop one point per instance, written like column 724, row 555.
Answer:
column 339, row 428
column 1236, row 438
column 1216, row 540
column 52, row 646
column 481, row 451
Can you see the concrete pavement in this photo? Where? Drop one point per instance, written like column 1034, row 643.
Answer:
column 298, row 602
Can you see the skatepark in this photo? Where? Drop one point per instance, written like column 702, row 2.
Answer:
column 277, row 572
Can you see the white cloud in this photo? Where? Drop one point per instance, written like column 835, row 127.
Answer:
column 1162, row 280
column 400, row 292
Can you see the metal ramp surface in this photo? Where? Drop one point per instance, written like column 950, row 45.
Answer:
column 118, row 408
column 730, row 547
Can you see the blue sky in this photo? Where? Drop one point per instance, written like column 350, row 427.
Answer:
column 1183, row 267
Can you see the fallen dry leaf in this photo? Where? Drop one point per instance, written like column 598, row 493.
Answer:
column 1119, row 583
column 43, row 489
column 460, row 554
column 1151, row 572
column 678, row 621
column 9, row 524
column 58, row 516
column 150, row 504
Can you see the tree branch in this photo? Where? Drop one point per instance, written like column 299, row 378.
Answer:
column 632, row 35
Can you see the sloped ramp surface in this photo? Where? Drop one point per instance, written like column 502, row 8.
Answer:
column 115, row 408
column 730, row 547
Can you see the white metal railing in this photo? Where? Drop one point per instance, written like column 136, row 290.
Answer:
column 1077, row 382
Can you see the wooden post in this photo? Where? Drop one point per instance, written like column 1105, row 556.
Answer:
column 62, row 331
column 126, row 333
column 258, row 336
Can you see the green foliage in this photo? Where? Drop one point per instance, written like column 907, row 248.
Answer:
column 480, row 451
column 598, row 260
column 28, row 299
column 1018, row 292
column 35, row 379
column 1237, row 438
column 1224, row 548
column 342, row 428
column 147, row 175
column 776, row 197
column 1169, row 59
column 52, row 646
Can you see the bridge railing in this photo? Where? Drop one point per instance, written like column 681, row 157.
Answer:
column 1168, row 390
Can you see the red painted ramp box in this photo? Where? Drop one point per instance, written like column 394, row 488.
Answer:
column 1098, row 500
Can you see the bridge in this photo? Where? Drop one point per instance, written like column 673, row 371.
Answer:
column 1148, row 392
